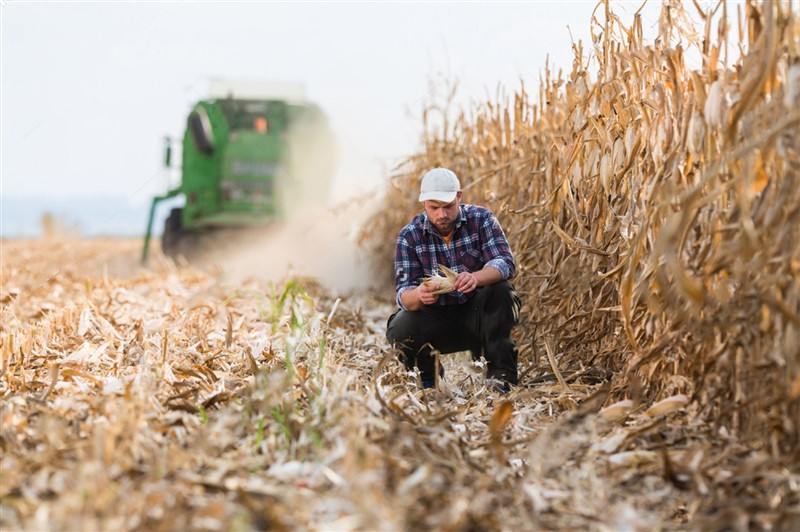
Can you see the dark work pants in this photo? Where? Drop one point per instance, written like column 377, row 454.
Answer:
column 483, row 324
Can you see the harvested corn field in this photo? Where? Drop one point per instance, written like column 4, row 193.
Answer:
column 166, row 399
column 653, row 210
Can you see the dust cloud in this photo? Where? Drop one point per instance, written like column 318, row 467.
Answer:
column 311, row 238
column 316, row 241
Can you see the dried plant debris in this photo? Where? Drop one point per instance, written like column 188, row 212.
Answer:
column 165, row 399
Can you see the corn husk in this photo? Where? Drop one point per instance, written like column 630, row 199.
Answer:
column 442, row 283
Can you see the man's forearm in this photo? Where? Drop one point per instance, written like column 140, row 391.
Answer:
column 411, row 300
column 488, row 275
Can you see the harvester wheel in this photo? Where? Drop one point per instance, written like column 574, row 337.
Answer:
column 173, row 230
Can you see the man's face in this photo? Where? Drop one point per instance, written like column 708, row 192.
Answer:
column 443, row 216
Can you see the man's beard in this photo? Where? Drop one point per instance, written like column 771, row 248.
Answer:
column 444, row 228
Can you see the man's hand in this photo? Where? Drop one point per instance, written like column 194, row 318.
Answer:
column 426, row 295
column 419, row 297
column 466, row 282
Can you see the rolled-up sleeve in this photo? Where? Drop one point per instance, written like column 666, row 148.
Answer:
column 496, row 251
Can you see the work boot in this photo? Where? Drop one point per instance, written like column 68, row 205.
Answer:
column 500, row 381
column 431, row 382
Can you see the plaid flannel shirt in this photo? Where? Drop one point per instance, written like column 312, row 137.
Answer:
column 477, row 241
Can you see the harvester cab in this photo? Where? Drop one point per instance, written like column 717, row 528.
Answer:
column 247, row 152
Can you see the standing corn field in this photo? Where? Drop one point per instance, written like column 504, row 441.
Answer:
column 654, row 210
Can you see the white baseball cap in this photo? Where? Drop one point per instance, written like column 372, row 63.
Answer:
column 439, row 184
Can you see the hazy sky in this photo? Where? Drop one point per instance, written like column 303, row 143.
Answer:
column 90, row 89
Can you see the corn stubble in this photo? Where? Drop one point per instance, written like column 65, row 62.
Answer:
column 654, row 214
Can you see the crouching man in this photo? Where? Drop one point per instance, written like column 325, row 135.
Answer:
column 483, row 307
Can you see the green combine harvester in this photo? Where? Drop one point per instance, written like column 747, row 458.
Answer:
column 244, row 158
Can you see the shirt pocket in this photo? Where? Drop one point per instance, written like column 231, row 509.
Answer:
column 470, row 259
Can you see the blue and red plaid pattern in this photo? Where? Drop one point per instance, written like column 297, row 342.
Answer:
column 477, row 241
